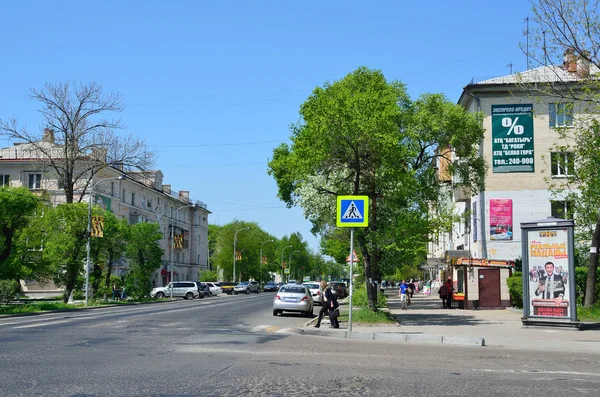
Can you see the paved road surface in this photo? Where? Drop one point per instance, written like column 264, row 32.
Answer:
column 233, row 346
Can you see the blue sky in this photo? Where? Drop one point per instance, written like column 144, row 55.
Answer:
column 213, row 86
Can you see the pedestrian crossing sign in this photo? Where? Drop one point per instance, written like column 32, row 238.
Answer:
column 352, row 211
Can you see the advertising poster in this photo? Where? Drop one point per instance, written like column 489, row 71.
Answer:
column 548, row 273
column 501, row 219
column 512, row 138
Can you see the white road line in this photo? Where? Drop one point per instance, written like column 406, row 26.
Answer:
column 538, row 372
column 43, row 324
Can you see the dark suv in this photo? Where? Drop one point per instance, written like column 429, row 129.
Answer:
column 339, row 289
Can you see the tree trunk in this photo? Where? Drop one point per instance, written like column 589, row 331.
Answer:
column 369, row 276
column 590, row 286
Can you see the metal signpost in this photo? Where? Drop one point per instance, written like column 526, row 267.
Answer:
column 352, row 211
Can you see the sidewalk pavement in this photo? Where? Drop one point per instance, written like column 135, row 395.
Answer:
column 426, row 321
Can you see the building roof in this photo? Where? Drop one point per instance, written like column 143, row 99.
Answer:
column 541, row 75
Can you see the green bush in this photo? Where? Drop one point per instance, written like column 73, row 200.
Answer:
column 359, row 298
column 515, row 287
column 8, row 289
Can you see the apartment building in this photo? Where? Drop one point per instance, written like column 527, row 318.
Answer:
column 139, row 197
column 521, row 122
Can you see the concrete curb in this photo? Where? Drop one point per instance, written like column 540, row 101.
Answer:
column 396, row 337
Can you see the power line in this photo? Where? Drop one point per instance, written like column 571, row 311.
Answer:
column 217, row 144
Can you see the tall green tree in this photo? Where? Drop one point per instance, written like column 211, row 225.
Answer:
column 567, row 33
column 144, row 256
column 108, row 250
column 62, row 232
column 362, row 135
column 17, row 205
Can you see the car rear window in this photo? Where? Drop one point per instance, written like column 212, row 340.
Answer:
column 312, row 286
column 298, row 290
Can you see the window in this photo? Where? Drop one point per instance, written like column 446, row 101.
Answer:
column 35, row 181
column 132, row 198
column 61, row 181
column 123, row 196
column 560, row 114
column 562, row 209
column 562, row 164
column 4, row 180
column 112, row 189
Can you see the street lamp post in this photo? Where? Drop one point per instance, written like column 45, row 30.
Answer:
column 290, row 263
column 261, row 256
column 173, row 241
column 234, row 241
column 89, row 236
column 282, row 251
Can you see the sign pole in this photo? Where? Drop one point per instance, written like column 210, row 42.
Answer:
column 351, row 274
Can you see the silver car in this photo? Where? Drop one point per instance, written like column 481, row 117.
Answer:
column 293, row 298
column 245, row 287
column 182, row 289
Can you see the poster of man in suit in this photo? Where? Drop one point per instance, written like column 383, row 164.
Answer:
column 549, row 295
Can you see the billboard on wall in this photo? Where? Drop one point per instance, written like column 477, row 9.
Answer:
column 548, row 272
column 512, row 138
column 501, row 219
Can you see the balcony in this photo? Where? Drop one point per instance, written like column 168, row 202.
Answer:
column 461, row 193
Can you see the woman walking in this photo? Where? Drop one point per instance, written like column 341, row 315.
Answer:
column 324, row 304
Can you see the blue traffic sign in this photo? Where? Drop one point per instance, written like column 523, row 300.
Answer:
column 352, row 211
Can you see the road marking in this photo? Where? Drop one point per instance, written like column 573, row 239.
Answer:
column 537, row 372
column 43, row 324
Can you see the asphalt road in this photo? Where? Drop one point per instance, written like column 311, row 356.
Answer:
column 233, row 346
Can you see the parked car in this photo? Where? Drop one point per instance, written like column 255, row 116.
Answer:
column 203, row 292
column 293, row 298
column 339, row 288
column 227, row 287
column 246, row 287
column 215, row 288
column 315, row 290
column 181, row 289
column 271, row 286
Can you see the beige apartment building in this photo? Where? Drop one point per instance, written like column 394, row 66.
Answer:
column 519, row 150
column 140, row 197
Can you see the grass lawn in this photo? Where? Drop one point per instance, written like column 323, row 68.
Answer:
column 37, row 307
column 366, row 316
column 591, row 314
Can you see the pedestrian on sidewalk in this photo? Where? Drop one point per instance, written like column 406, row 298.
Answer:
column 404, row 290
column 333, row 305
column 448, row 289
column 116, row 294
column 324, row 304
column 443, row 293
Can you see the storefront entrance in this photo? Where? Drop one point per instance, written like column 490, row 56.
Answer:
column 489, row 287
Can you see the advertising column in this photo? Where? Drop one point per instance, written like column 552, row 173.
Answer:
column 549, row 273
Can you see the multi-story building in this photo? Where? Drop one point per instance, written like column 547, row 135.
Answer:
column 521, row 118
column 139, row 197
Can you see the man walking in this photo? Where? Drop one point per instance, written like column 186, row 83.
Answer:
column 403, row 294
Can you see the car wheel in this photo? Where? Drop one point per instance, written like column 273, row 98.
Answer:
column 275, row 312
column 189, row 295
column 258, row 290
column 235, row 293
column 160, row 295
column 310, row 313
column 247, row 291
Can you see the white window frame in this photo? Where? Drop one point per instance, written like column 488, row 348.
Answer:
column 563, row 114
column 5, row 180
column 559, row 164
column 36, row 178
